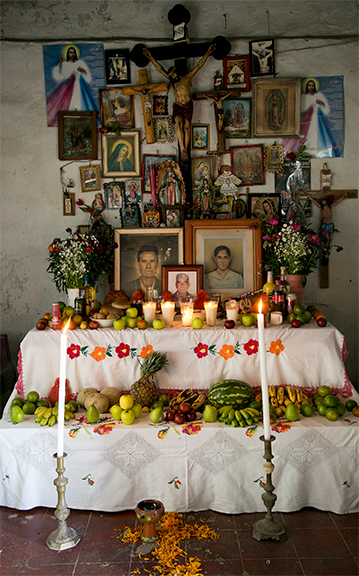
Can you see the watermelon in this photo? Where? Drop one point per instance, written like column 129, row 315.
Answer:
column 230, row 393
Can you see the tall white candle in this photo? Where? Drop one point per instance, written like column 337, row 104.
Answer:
column 168, row 310
column 149, row 311
column 61, row 403
column 263, row 371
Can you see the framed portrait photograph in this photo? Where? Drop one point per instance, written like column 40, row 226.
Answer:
column 130, row 215
column 172, row 216
column 247, row 164
column 202, row 167
column 236, row 72
column 160, row 105
column 274, row 158
column 142, row 253
column 182, row 281
column 133, row 190
column 116, row 108
column 114, row 194
column 117, row 66
column 121, row 155
column 265, row 206
column 230, row 252
column 90, row 178
column 261, row 54
column 77, row 135
column 199, row 136
column 237, row 117
column 276, row 107
column 150, row 166
column 163, row 128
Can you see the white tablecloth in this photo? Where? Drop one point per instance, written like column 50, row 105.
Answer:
column 199, row 466
column 307, row 357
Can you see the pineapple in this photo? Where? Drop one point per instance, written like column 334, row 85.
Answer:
column 144, row 390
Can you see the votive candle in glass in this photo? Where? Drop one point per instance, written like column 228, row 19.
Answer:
column 211, row 312
column 149, row 311
column 168, row 311
column 187, row 313
column 232, row 307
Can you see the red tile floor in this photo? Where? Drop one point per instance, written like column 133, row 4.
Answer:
column 318, row 544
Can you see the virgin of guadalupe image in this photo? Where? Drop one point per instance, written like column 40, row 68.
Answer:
column 276, row 110
column 119, row 158
column 170, row 184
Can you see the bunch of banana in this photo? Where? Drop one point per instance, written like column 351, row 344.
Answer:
column 48, row 416
column 195, row 399
column 243, row 417
column 280, row 397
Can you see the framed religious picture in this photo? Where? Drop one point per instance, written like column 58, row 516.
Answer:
column 276, row 107
column 163, row 128
column 237, row 243
column 261, row 54
column 236, row 73
column 69, row 204
column 247, row 164
column 130, row 215
column 90, row 178
column 145, row 248
column 133, row 190
column 117, row 66
column 183, row 281
column 237, row 117
column 114, row 194
column 151, row 219
column 296, row 176
column 172, row 216
column 150, row 166
column 265, row 206
column 121, row 154
column 77, row 135
column 199, row 136
column 202, row 168
column 274, row 158
column 170, row 184
column 116, row 108
column 160, row 105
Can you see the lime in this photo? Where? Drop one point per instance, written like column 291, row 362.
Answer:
column 324, row 390
column 301, row 318
column 43, row 403
column 318, row 400
column 350, row 404
column 306, row 409
column 332, row 414
column 157, row 404
column 73, row 405
column 256, row 405
column 164, row 399
column 20, row 402
column 298, row 309
column 341, row 408
column 307, row 315
column 322, row 409
column 331, row 401
column 29, row 408
column 271, row 409
column 32, row 396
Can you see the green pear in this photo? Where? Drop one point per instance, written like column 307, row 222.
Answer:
column 92, row 414
column 16, row 414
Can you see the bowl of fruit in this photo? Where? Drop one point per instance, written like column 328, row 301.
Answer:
column 104, row 318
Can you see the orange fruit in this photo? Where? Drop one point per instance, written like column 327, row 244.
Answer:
column 307, row 409
column 68, row 322
column 350, row 404
column 355, row 411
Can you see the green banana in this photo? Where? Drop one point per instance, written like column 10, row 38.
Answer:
column 52, row 420
column 231, row 415
column 234, row 423
column 44, row 421
column 240, row 419
column 247, row 417
column 254, row 413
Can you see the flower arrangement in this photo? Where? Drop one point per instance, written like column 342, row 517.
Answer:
column 79, row 255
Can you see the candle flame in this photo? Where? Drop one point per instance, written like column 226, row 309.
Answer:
column 260, row 306
column 67, row 326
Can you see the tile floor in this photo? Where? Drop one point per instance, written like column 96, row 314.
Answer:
column 318, row 544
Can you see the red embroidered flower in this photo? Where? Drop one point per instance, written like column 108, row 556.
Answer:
column 74, row 351
column 201, row 350
column 276, row 347
column 123, row 350
column 251, row 347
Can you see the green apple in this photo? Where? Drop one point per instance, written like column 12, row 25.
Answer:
column 248, row 320
column 126, row 401
column 197, row 323
column 158, row 324
column 156, row 415
column 131, row 312
column 127, row 417
column 119, row 324
column 116, row 411
column 210, row 413
column 132, row 322
column 137, row 409
column 124, row 319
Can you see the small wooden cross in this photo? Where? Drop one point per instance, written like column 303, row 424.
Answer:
column 145, row 89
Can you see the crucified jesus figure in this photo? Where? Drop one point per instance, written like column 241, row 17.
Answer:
column 183, row 106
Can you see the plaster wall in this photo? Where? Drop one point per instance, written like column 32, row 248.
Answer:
column 31, row 200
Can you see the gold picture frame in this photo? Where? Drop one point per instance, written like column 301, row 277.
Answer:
column 90, row 178
column 276, row 107
column 274, row 158
column 121, row 167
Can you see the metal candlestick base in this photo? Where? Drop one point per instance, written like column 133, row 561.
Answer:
column 268, row 528
column 63, row 537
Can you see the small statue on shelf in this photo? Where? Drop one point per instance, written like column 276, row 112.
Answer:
column 227, row 181
column 170, row 184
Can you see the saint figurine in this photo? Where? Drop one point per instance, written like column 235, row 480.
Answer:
column 227, row 181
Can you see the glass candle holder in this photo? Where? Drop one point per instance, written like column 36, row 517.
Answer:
column 149, row 311
column 168, row 311
column 232, row 307
column 187, row 312
column 210, row 309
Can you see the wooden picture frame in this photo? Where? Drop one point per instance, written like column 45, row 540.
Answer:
column 163, row 129
column 69, row 204
column 77, row 135
column 274, row 158
column 116, row 108
column 236, row 72
column 194, row 272
column 90, row 178
column 247, row 164
column 117, row 66
column 172, row 215
column 261, row 53
column 167, row 241
column 244, row 240
column 276, row 107
column 202, row 167
column 199, row 136
column 265, row 206
column 112, row 163
column 237, row 117
column 160, row 105
column 151, row 161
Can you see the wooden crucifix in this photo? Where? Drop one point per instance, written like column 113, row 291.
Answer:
column 145, row 89
column 325, row 200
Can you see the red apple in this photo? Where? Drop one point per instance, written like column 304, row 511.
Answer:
column 191, row 416
column 180, row 418
column 170, row 415
column 296, row 323
column 41, row 324
column 93, row 325
column 184, row 407
column 229, row 324
column 321, row 322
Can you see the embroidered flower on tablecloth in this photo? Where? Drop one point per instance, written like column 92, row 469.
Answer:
column 192, row 428
column 99, row 353
column 282, row 426
column 146, row 351
column 74, row 351
column 251, row 347
column 104, row 428
column 89, row 480
column 276, row 347
column 201, row 350
column 226, row 351
column 123, row 350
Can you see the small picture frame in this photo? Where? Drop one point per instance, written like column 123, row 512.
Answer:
column 116, row 108
column 151, row 219
column 236, row 73
column 192, row 274
column 117, row 66
column 202, row 167
column 131, row 216
column 77, row 135
column 133, row 190
column 237, row 117
column 248, row 164
column 121, row 154
column 160, row 105
column 261, row 54
column 163, row 129
column 276, row 107
column 265, row 206
column 150, row 166
column 90, row 178
column 114, row 193
column 69, row 204
column 172, row 216
column 274, row 158
column 199, row 136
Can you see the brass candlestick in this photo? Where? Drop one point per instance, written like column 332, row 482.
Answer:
column 63, row 537
column 268, row 528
